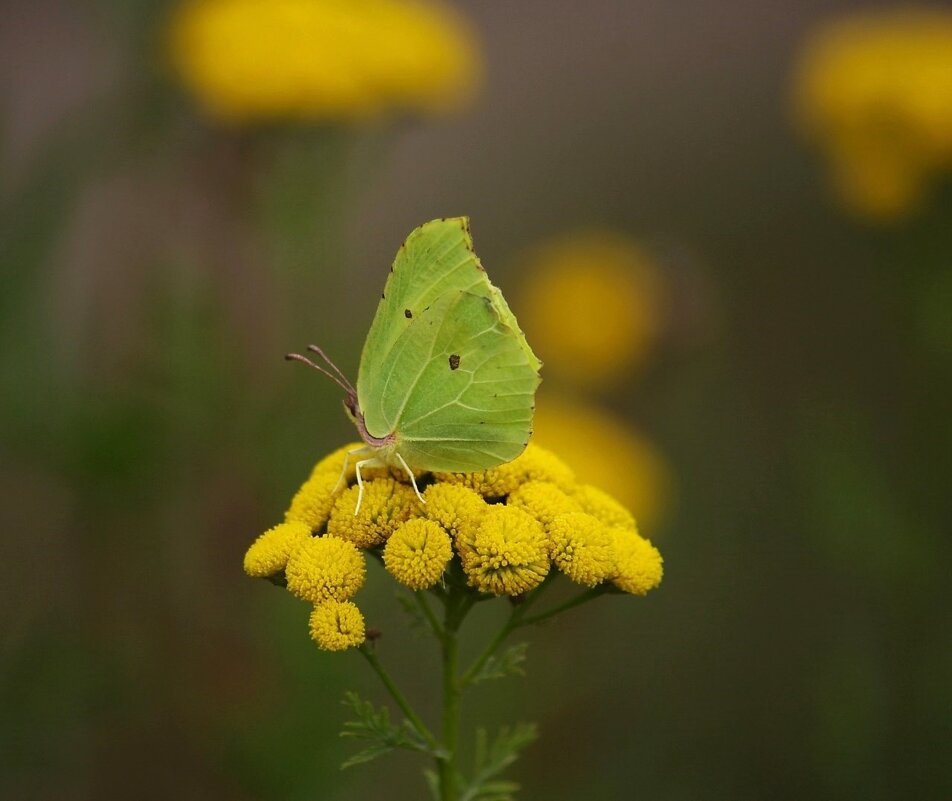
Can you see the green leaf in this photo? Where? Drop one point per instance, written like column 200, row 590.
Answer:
column 510, row 663
column 374, row 725
column 409, row 605
column 433, row 783
column 493, row 758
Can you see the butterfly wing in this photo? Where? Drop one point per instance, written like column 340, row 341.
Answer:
column 460, row 387
column 437, row 259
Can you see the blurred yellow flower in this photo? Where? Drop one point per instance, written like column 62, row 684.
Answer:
column 542, row 500
column 874, row 91
column 322, row 59
column 337, row 625
column 607, row 452
column 592, row 307
column 533, row 464
column 457, row 509
column 312, row 503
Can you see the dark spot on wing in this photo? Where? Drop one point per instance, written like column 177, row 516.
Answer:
column 454, row 361
column 407, row 313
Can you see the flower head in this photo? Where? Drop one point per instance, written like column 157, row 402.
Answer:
column 509, row 554
column 604, row 507
column 417, row 553
column 312, row 503
column 337, row 625
column 458, row 509
column 638, row 562
column 269, row 553
column 322, row 59
column 386, row 504
column 582, row 548
column 542, row 500
column 325, row 567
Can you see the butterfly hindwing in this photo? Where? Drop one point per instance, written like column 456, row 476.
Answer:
column 459, row 387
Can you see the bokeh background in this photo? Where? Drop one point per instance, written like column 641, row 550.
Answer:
column 726, row 229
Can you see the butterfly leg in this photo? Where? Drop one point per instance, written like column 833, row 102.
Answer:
column 406, row 467
column 373, row 461
column 362, row 451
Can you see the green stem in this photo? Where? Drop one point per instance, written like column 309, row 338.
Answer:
column 514, row 621
column 451, row 711
column 579, row 599
column 398, row 696
column 427, row 612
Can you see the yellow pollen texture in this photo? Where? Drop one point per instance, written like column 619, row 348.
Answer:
column 269, row 553
column 510, row 554
column 582, row 548
column 337, row 625
column 417, row 553
column 325, row 567
column 386, row 505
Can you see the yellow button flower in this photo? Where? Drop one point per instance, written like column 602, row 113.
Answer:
column 325, row 567
column 322, row 59
column 509, row 554
column 337, row 625
column 458, row 509
column 313, row 501
column 873, row 91
column 582, row 548
column 269, row 554
column 333, row 463
column 542, row 500
column 387, row 503
column 638, row 563
column 417, row 553
column 604, row 507
column 592, row 307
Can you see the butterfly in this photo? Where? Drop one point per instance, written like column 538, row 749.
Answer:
column 446, row 381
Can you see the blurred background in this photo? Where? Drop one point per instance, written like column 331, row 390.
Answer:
column 726, row 230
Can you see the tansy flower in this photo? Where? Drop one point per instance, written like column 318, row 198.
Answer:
column 543, row 501
column 337, row 625
column 322, row 59
column 582, row 548
column 269, row 553
column 325, row 567
column 333, row 463
column 509, row 554
column 417, row 553
column 638, row 562
column 592, row 307
column 873, row 90
column 603, row 507
column 458, row 509
column 312, row 503
column 608, row 452
column 533, row 464
column 387, row 503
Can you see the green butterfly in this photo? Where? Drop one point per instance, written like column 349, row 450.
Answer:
column 447, row 380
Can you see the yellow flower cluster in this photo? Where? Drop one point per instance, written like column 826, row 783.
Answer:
column 505, row 529
column 322, row 59
column 873, row 90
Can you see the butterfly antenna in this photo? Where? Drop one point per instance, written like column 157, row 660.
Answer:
column 344, row 385
column 334, row 367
